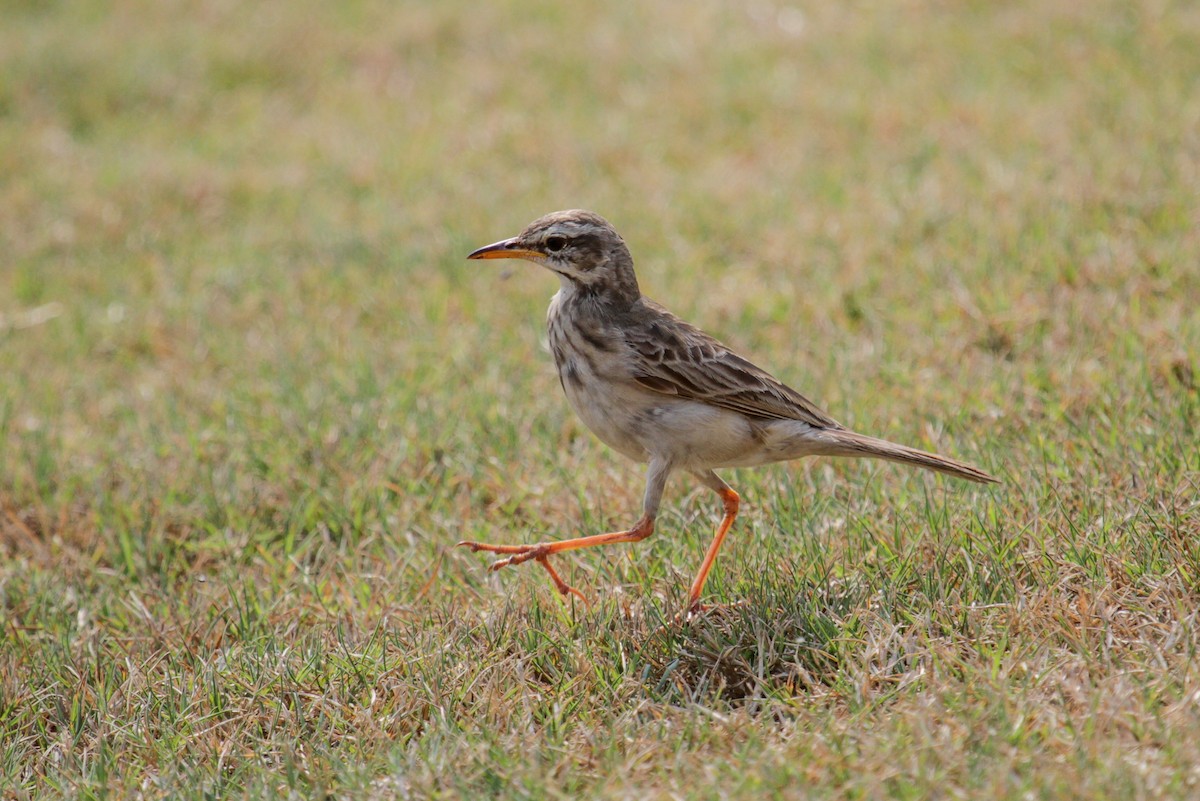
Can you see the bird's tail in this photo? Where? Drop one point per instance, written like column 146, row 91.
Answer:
column 840, row 442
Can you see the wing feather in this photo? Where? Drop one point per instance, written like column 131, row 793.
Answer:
column 676, row 358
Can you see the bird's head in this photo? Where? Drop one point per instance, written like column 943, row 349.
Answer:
column 585, row 251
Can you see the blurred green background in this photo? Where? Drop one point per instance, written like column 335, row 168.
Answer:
column 251, row 392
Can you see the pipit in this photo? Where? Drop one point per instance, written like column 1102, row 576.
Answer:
column 663, row 392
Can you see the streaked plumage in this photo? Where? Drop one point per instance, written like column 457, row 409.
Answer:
column 661, row 391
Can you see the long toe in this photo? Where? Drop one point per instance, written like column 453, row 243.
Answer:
column 563, row 587
column 475, row 547
column 526, row 553
column 516, row 559
column 520, row 553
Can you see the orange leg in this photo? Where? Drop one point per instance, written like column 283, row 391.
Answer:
column 541, row 552
column 731, row 501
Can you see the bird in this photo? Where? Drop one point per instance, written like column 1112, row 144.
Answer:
column 664, row 393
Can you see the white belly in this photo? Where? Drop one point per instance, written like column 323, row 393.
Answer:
column 641, row 423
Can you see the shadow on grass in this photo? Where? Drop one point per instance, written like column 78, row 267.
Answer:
column 780, row 641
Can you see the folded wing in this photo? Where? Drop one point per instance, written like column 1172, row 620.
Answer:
column 676, row 358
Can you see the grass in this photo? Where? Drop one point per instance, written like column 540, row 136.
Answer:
column 252, row 393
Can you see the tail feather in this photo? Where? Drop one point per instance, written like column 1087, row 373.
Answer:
column 849, row 443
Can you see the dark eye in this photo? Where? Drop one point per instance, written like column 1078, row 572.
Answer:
column 555, row 243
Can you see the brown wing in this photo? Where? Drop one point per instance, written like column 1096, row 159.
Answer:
column 676, row 358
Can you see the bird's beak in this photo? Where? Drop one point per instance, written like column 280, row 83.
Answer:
column 506, row 249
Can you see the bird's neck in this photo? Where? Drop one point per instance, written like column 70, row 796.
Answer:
column 590, row 299
column 614, row 289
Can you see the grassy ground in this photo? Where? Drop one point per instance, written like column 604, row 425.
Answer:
column 251, row 393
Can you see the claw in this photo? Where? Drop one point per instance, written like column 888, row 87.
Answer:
column 523, row 553
column 541, row 552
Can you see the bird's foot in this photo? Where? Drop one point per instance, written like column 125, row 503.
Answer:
column 523, row 553
column 519, row 553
